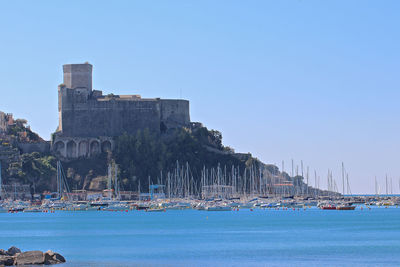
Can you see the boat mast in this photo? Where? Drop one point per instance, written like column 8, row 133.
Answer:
column 348, row 184
column 315, row 183
column 1, row 189
column 294, row 184
column 391, row 186
column 386, row 185
column 109, row 181
column 302, row 177
column 139, row 188
column 116, row 183
column 343, row 176
column 59, row 189
column 307, row 178
column 169, row 185
column 58, row 178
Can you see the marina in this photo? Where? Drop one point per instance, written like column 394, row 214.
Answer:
column 219, row 190
column 340, row 203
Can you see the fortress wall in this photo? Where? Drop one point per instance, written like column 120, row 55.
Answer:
column 42, row 147
column 175, row 113
column 110, row 118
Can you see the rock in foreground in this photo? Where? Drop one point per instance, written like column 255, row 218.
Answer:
column 13, row 250
column 51, row 257
column 35, row 257
column 6, row 260
column 14, row 256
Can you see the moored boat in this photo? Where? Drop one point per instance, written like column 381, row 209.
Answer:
column 155, row 210
column 345, row 207
column 219, row 208
column 33, row 209
column 328, row 207
column 15, row 209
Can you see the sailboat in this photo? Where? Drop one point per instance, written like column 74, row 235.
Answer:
column 111, row 202
column 58, row 202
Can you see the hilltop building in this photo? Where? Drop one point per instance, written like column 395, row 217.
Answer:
column 89, row 120
column 6, row 119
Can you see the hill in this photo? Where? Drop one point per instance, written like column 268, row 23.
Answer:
column 194, row 158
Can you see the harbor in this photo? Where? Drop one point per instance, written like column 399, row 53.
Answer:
column 218, row 190
column 164, row 205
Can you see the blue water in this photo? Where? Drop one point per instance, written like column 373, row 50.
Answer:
column 198, row 238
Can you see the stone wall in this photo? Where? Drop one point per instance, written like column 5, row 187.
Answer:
column 43, row 147
column 175, row 113
column 75, row 147
column 113, row 116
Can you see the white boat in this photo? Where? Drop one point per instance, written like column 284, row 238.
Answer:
column 155, row 210
column 248, row 205
column 270, row 205
column 115, row 207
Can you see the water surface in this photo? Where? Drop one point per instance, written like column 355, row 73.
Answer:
column 309, row 237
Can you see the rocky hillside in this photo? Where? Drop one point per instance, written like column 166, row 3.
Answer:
column 141, row 158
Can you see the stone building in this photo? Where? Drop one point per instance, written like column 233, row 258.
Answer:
column 89, row 120
column 6, row 120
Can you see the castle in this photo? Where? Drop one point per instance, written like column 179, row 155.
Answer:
column 89, row 120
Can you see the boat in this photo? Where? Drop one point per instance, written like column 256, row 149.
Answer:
column 294, row 205
column 116, row 207
column 328, row 207
column 218, row 208
column 155, row 210
column 15, row 209
column 33, row 209
column 345, row 207
column 79, row 206
column 246, row 205
column 56, row 205
column 270, row 205
column 99, row 204
column 142, row 207
column 177, row 206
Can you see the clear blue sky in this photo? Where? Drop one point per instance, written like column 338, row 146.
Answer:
column 316, row 81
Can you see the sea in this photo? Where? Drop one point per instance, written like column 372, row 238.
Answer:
column 311, row 237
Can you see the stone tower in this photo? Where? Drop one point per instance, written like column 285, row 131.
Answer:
column 78, row 76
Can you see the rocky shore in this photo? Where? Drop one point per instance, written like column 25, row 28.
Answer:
column 14, row 256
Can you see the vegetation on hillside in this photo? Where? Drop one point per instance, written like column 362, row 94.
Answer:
column 35, row 169
column 20, row 132
column 139, row 156
column 145, row 154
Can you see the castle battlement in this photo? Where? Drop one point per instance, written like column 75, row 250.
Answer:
column 85, row 113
